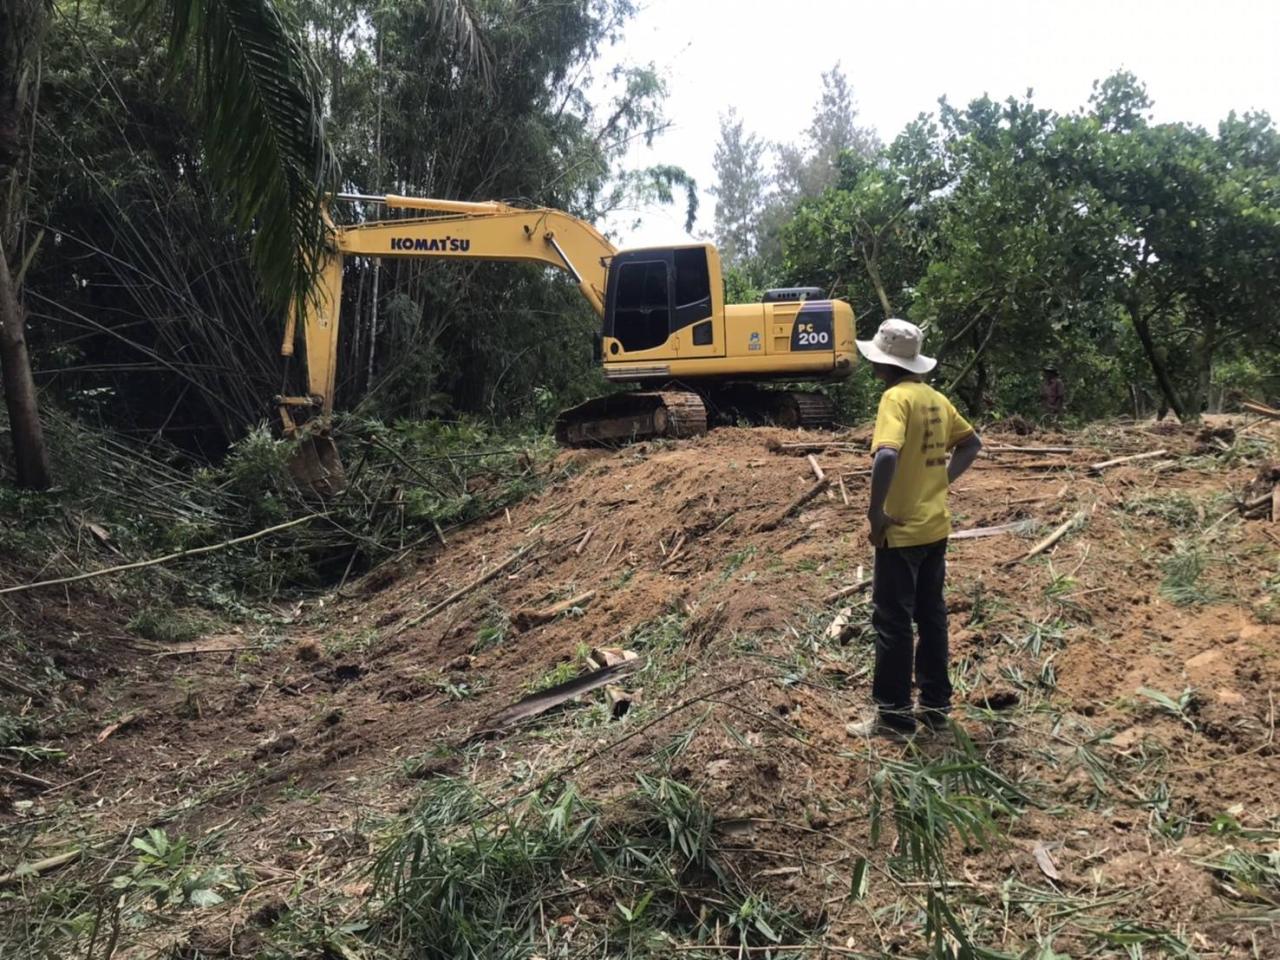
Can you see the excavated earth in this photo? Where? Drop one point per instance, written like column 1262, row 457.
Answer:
column 290, row 741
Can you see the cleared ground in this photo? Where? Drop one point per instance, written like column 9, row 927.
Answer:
column 1114, row 787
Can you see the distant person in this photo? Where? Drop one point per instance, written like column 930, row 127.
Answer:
column 1053, row 393
column 916, row 427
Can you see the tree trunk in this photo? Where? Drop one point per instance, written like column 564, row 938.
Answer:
column 1142, row 327
column 30, row 457
column 872, row 260
column 1204, row 365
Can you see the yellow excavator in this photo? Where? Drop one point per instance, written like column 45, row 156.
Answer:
column 664, row 323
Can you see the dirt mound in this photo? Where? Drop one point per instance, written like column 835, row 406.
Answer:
column 1124, row 679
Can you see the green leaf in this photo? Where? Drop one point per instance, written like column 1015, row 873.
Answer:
column 204, row 897
column 859, row 878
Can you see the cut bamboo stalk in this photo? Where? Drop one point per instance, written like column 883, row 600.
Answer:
column 582, row 545
column 846, row 591
column 1275, row 503
column 794, row 505
column 1050, row 540
column 974, row 532
column 817, row 470
column 528, row 618
column 1261, row 408
column 844, row 494
column 463, row 591
column 165, row 559
column 1029, row 449
column 37, row 867
column 1129, row 459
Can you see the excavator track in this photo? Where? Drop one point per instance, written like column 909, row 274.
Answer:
column 793, row 409
column 627, row 417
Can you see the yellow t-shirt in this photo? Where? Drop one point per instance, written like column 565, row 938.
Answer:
column 922, row 425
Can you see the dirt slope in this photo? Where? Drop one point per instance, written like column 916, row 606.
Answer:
column 289, row 741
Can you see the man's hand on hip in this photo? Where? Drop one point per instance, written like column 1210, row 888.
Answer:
column 880, row 524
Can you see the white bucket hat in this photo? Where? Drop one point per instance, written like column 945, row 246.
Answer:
column 897, row 343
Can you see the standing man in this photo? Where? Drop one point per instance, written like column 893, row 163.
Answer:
column 1053, row 393
column 916, row 428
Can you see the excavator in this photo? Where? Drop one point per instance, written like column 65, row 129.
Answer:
column 664, row 325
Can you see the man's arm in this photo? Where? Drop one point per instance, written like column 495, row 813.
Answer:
column 883, row 468
column 962, row 457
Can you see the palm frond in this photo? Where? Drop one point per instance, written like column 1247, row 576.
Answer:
column 460, row 19
column 264, row 131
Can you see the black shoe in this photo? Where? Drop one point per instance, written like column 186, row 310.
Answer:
column 934, row 719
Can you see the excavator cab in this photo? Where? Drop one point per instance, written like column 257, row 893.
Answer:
column 656, row 294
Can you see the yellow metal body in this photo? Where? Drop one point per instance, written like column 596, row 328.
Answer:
column 747, row 341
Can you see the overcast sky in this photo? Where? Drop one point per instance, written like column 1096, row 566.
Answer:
column 1198, row 58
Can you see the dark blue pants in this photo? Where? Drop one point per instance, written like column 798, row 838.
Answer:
column 907, row 587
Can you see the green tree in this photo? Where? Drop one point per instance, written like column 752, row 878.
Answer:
column 264, row 141
column 740, row 186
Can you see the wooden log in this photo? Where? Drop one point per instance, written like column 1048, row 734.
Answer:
column 1050, row 540
column 794, row 505
column 527, row 618
column 1105, row 464
column 817, row 470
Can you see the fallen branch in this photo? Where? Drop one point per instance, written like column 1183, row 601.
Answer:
column 817, row 470
column 794, row 505
column 1097, row 467
column 1275, row 503
column 844, row 494
column 165, row 559
column 527, row 618
column 582, row 545
column 463, row 591
column 1050, row 540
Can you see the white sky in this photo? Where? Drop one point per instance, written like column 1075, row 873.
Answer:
column 1198, row 58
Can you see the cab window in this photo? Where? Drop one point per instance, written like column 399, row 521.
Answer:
column 693, row 287
column 642, row 308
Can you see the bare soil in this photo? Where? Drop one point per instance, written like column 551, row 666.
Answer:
column 293, row 741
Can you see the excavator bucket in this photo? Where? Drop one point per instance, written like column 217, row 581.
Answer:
column 316, row 466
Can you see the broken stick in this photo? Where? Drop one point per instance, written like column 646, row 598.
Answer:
column 1096, row 467
column 586, row 538
column 526, row 619
column 794, row 505
column 844, row 494
column 817, row 470
column 1051, row 539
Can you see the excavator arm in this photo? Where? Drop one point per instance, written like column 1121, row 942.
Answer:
column 453, row 230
